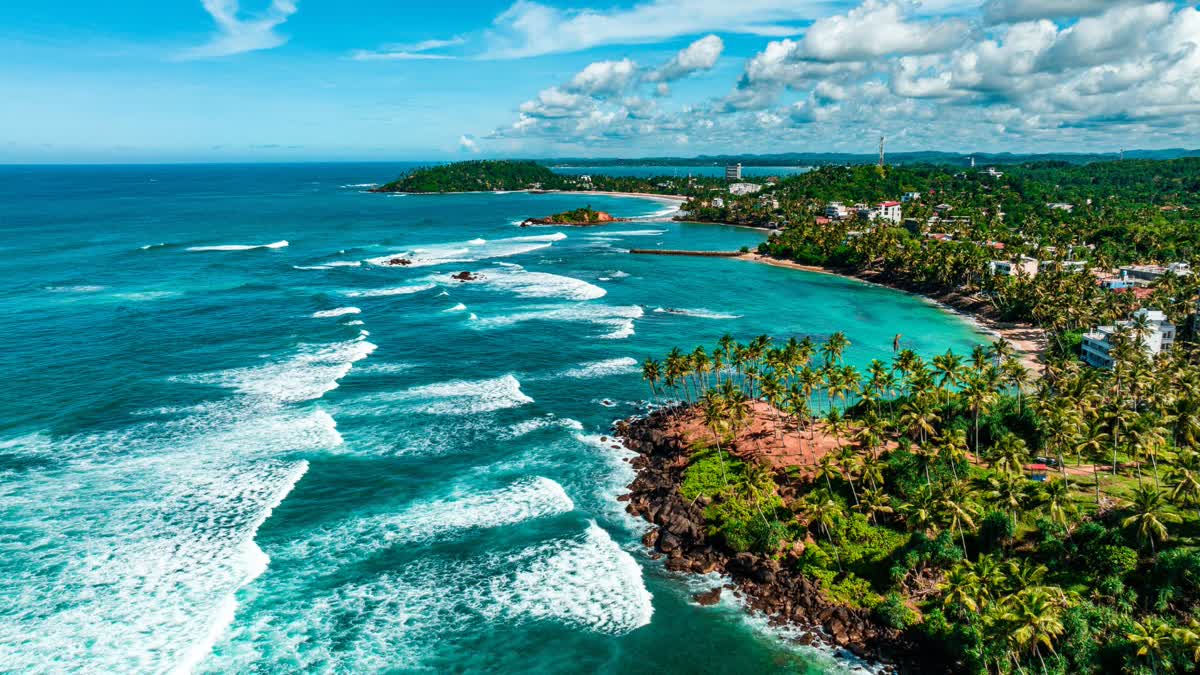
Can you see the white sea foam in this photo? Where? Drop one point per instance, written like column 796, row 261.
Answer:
column 330, row 265
column 239, row 247
column 340, row 311
column 376, row 368
column 619, row 320
column 429, row 255
column 147, row 296
column 359, row 185
column 547, row 422
column 309, row 374
column 76, row 289
column 457, row 308
column 356, row 322
column 631, row 233
column 621, row 366
column 463, row 397
column 589, row 582
column 524, row 500
column 387, row 292
column 697, row 313
column 526, row 284
column 147, row 247
column 140, row 538
column 619, row 274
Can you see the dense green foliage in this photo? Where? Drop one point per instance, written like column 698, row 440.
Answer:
column 585, row 215
column 477, row 176
column 509, row 175
column 928, row 512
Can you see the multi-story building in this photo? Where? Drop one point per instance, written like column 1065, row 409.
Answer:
column 890, row 211
column 1158, row 338
column 836, row 211
column 733, row 172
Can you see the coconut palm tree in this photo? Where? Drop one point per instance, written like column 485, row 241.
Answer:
column 1035, row 620
column 1152, row 637
column 1149, row 516
column 651, row 373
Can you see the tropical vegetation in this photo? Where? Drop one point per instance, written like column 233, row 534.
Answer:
column 1010, row 522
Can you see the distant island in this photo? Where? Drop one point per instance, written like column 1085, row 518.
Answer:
column 585, row 217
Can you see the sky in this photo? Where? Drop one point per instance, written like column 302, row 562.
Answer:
column 316, row 80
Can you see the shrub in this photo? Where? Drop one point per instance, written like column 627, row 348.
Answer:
column 1114, row 561
column 995, row 529
column 893, row 612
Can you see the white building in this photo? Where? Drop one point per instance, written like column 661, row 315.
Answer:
column 744, row 188
column 719, row 203
column 1158, row 339
column 890, row 211
column 1153, row 272
column 836, row 211
column 1059, row 206
column 991, row 171
column 733, row 172
column 1025, row 266
column 910, row 197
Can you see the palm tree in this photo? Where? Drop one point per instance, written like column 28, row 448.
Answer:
column 717, row 420
column 1036, row 621
column 1150, row 515
column 979, row 397
column 874, row 501
column 948, row 367
column 961, row 588
column 1056, row 497
column 958, row 512
column 822, row 510
column 1186, row 491
column 1152, row 638
column 835, row 346
column 651, row 372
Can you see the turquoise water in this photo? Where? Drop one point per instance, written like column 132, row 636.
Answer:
column 224, row 453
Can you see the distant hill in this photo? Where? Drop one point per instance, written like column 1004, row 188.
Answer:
column 476, row 176
column 826, row 158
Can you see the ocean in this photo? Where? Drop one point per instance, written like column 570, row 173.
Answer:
column 232, row 441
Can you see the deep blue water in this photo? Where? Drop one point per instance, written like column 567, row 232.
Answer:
column 224, row 453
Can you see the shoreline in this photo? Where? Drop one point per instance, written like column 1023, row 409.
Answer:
column 1029, row 341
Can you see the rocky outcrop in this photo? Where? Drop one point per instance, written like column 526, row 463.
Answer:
column 767, row 584
column 398, row 262
column 568, row 220
column 466, row 276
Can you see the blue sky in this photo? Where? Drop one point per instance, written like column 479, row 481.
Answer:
column 279, row 80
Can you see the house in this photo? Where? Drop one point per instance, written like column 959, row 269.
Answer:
column 744, row 188
column 1024, row 266
column 733, row 172
column 910, row 197
column 836, row 211
column 991, row 171
column 1069, row 266
column 1059, row 206
column 1157, row 339
column 864, row 212
column 889, row 211
column 718, row 203
column 1153, row 272
column 942, row 209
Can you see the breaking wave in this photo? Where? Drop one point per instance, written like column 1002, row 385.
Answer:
column 239, row 247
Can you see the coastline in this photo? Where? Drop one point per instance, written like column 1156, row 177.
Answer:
column 764, row 584
column 1029, row 341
